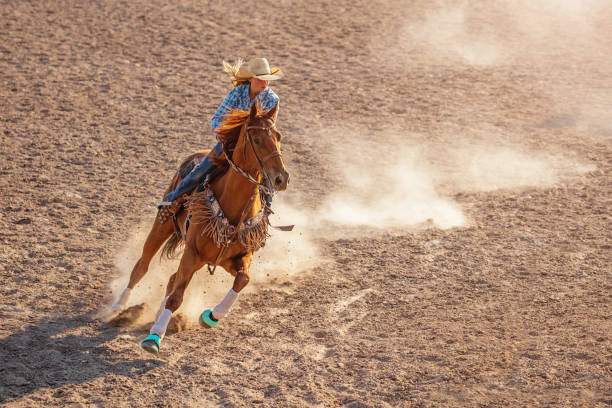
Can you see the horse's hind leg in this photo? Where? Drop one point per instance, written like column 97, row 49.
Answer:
column 160, row 232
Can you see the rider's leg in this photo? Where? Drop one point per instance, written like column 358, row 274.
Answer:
column 195, row 176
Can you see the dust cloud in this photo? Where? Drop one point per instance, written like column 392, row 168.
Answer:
column 489, row 168
column 415, row 186
column 397, row 192
column 455, row 31
column 445, row 30
column 571, row 32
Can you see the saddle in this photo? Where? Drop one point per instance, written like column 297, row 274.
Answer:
column 178, row 205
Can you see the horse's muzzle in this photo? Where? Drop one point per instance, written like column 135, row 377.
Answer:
column 280, row 180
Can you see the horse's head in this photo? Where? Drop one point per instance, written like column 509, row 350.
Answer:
column 263, row 141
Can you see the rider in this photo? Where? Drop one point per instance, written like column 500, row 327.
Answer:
column 250, row 85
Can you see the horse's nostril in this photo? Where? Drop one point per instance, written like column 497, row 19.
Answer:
column 278, row 180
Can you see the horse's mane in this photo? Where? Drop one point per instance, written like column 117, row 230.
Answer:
column 229, row 131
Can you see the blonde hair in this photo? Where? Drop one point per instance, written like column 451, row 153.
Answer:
column 232, row 70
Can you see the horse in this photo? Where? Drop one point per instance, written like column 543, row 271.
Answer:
column 224, row 220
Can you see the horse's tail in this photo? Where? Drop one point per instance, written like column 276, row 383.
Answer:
column 173, row 245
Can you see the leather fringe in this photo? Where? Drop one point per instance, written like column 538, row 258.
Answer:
column 205, row 211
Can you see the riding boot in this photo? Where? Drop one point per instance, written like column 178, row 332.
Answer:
column 195, row 176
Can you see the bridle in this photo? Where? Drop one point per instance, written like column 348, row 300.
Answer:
column 268, row 130
column 260, row 161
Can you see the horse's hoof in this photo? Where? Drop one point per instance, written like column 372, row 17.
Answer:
column 151, row 343
column 206, row 319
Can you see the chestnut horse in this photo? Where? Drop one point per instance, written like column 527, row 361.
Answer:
column 225, row 232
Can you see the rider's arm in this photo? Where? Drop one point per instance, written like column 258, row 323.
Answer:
column 229, row 102
column 269, row 101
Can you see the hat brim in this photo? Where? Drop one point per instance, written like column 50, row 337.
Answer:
column 275, row 73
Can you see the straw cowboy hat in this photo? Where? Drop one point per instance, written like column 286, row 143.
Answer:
column 259, row 68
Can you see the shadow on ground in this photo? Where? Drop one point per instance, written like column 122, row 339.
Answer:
column 55, row 353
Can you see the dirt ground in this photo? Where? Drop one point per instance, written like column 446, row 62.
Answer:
column 507, row 304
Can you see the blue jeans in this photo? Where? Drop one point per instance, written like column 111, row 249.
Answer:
column 195, row 176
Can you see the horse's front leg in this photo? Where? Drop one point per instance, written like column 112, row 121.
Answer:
column 190, row 263
column 239, row 267
column 169, row 289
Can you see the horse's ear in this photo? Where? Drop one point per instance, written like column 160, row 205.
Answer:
column 272, row 112
column 253, row 111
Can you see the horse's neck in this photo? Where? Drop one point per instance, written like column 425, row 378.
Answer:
column 234, row 193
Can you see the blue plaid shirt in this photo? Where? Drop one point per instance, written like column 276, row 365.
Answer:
column 238, row 98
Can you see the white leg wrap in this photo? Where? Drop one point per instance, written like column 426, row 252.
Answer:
column 161, row 307
column 161, row 324
column 226, row 304
column 122, row 301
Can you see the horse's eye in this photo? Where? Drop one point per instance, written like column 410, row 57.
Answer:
column 257, row 141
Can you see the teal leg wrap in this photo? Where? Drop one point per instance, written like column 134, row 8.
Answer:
column 151, row 343
column 206, row 320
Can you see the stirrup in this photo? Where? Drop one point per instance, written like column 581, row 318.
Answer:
column 176, row 203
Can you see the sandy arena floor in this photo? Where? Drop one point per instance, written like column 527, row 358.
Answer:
column 450, row 182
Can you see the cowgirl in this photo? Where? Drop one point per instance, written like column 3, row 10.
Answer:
column 250, row 86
